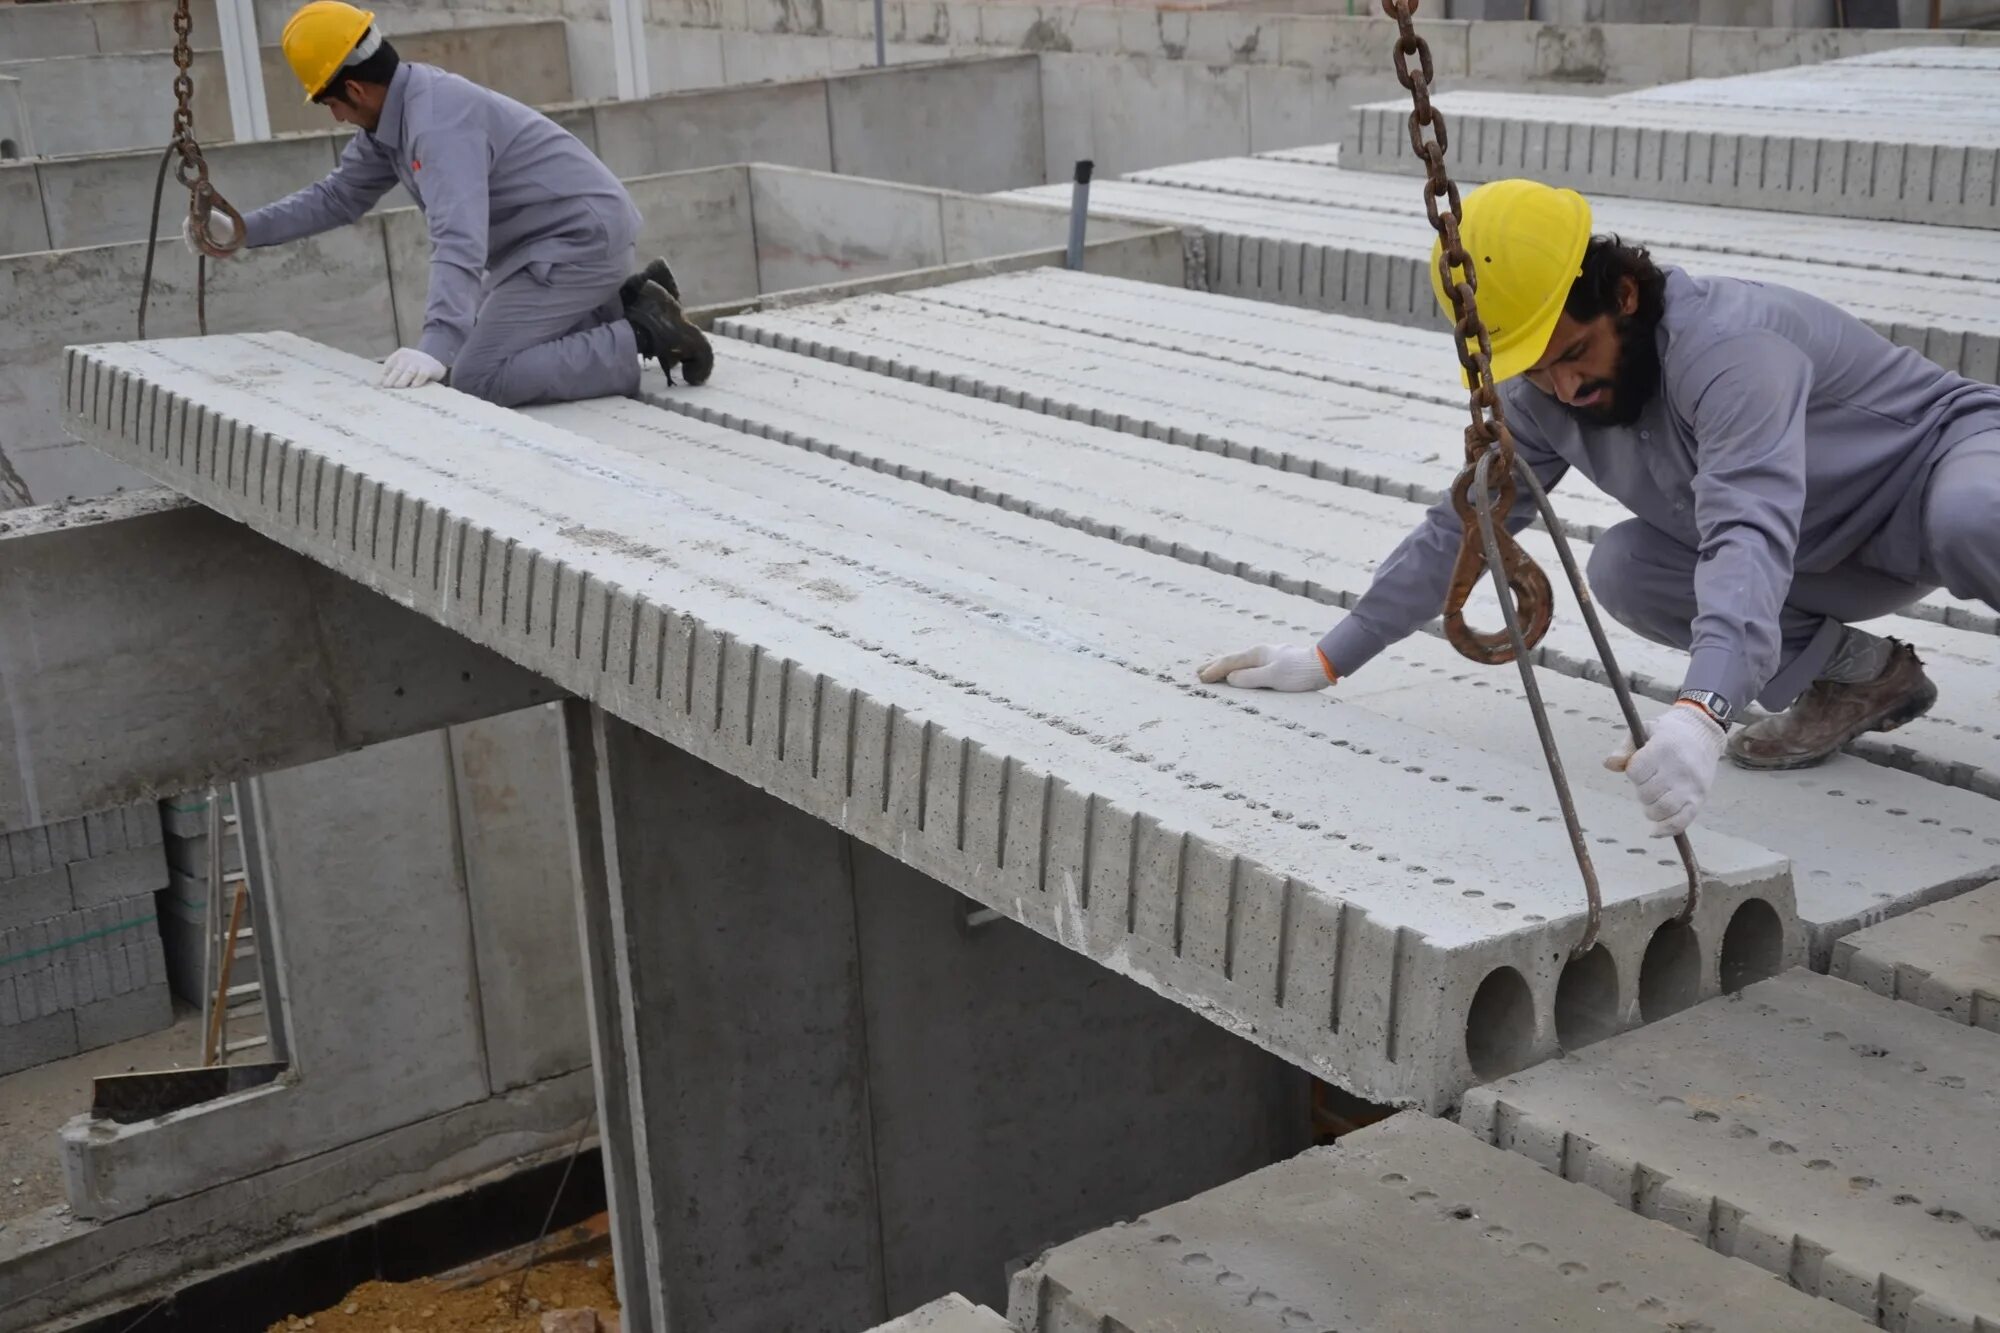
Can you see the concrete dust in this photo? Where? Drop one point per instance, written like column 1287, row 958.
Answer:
column 434, row 1305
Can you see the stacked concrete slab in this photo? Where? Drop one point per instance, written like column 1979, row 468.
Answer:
column 1295, row 228
column 184, row 904
column 1010, row 714
column 1836, row 1137
column 1409, row 1224
column 948, row 1314
column 81, row 962
column 1945, row 958
column 1906, row 136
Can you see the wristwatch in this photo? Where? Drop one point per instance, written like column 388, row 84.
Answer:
column 1711, row 703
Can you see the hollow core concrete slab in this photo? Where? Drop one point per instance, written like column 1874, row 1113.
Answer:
column 944, row 680
column 1842, row 1140
column 1944, row 958
column 1409, row 1224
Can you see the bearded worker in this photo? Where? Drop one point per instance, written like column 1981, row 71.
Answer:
column 1792, row 472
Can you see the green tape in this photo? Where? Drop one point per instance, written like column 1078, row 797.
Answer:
column 133, row 924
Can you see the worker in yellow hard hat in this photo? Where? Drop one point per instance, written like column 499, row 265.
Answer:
column 1792, row 472
column 532, row 297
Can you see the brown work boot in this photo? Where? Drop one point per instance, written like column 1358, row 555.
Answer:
column 1829, row 715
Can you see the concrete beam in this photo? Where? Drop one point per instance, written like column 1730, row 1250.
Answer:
column 1411, row 1223
column 949, row 1314
column 148, row 647
column 1834, row 1137
column 1071, row 780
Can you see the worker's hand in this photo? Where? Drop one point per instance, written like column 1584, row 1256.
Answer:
column 221, row 231
column 407, row 368
column 1674, row 768
column 1292, row 668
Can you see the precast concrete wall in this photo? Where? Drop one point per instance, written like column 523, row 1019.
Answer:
column 103, row 101
column 422, row 929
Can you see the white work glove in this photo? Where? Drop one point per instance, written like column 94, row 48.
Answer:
column 220, row 230
column 407, row 368
column 1292, row 668
column 1674, row 768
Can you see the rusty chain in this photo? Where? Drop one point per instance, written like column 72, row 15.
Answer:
column 192, row 173
column 1527, row 602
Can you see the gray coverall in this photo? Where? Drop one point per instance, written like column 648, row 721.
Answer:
column 1796, row 472
column 530, row 237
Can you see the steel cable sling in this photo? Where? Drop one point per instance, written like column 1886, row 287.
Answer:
column 192, row 172
column 1520, row 584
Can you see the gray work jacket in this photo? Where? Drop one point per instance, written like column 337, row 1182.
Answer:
column 502, row 187
column 1786, row 435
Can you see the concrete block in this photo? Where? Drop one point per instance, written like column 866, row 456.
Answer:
column 68, row 842
column 1407, row 1224
column 814, row 229
column 105, row 199
column 948, row 1314
column 1944, row 958
column 146, row 1008
column 1146, row 112
column 29, row 898
column 513, row 828
column 36, row 1041
column 780, row 123
column 1581, row 54
column 875, row 131
column 1806, row 1125
column 36, row 32
column 184, row 816
column 189, row 856
column 1344, row 45
column 105, row 879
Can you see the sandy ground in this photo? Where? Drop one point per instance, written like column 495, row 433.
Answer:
column 35, row 1103
column 432, row 1305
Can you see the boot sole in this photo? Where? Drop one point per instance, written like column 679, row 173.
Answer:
column 1906, row 712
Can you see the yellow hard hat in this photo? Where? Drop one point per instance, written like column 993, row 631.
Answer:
column 319, row 38
column 1527, row 242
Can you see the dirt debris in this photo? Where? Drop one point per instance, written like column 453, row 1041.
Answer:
column 430, row 1305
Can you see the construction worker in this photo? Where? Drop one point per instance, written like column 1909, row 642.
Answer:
column 532, row 297
column 1793, row 473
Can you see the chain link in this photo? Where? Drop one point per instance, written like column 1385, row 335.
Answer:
column 192, row 170
column 1487, row 431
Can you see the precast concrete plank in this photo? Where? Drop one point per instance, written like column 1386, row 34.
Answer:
column 1924, row 164
column 1951, row 745
column 1409, row 1224
column 1689, row 232
column 1882, row 842
column 1266, row 384
column 1842, row 1140
column 1931, row 57
column 948, row 1314
column 1944, row 958
column 1374, row 263
column 942, row 679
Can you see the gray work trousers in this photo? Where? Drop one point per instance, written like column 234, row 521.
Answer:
column 1645, row 579
column 551, row 333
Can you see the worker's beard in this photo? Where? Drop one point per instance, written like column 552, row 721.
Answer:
column 1634, row 380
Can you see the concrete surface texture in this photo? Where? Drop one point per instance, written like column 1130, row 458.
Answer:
column 948, row 1314
column 1357, row 243
column 1803, row 140
column 982, row 357
column 1944, row 958
column 1408, row 1224
column 743, row 953
column 422, row 948
column 1489, row 50
column 98, row 102
column 1835, row 1137
column 194, row 643
column 1145, row 829
column 1300, row 533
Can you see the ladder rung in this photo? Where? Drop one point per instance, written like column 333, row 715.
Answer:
column 246, row 1044
column 247, row 988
